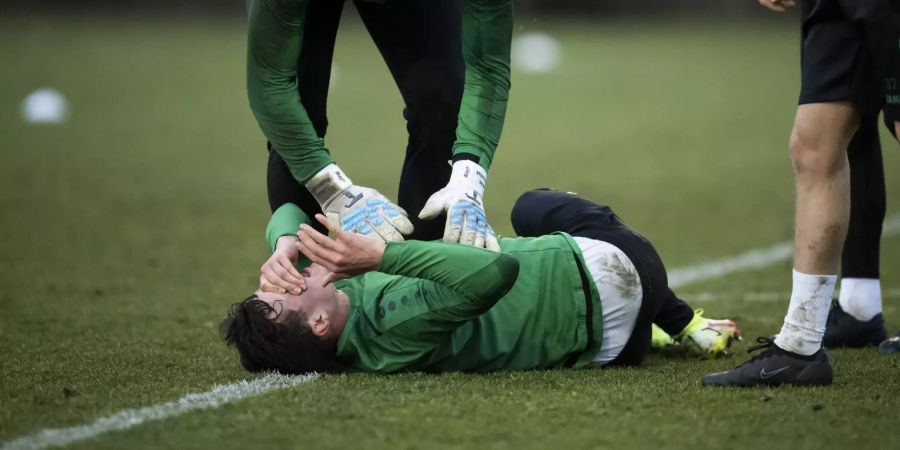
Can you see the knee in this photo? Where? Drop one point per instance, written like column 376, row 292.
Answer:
column 518, row 215
column 814, row 157
column 523, row 210
column 527, row 201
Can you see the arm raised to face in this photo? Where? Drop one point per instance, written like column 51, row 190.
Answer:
column 479, row 276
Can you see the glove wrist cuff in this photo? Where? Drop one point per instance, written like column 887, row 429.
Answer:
column 470, row 175
column 328, row 183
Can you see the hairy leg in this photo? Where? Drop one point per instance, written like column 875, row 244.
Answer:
column 822, row 132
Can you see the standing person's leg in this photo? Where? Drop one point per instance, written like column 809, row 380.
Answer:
column 856, row 320
column 837, row 82
column 421, row 45
column 313, row 78
column 819, row 142
column 874, row 29
column 822, row 132
column 881, row 21
column 892, row 121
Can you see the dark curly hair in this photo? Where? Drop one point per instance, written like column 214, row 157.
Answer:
column 287, row 346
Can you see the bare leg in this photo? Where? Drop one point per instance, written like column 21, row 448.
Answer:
column 819, row 142
column 822, row 132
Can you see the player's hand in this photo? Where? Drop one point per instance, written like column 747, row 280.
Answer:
column 347, row 255
column 778, row 5
column 358, row 209
column 462, row 200
column 279, row 274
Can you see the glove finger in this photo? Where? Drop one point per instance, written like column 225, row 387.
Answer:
column 356, row 223
column 453, row 226
column 469, row 229
column 490, row 242
column 483, row 230
column 384, row 229
column 479, row 239
column 402, row 224
column 385, row 222
column 397, row 217
column 433, row 207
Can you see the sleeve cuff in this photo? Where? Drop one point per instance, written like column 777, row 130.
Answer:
column 285, row 221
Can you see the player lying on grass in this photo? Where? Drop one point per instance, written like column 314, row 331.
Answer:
column 579, row 289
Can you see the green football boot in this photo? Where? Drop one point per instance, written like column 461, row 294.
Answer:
column 708, row 338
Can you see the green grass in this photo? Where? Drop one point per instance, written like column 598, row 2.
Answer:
column 128, row 230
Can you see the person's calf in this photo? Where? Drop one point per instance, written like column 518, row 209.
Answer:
column 818, row 148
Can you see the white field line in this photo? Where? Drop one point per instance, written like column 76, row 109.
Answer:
column 223, row 394
column 213, row 398
column 753, row 259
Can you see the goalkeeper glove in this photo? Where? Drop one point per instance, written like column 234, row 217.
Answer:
column 357, row 209
column 462, row 200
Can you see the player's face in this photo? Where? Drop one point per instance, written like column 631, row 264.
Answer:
column 313, row 300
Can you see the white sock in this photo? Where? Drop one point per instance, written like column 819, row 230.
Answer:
column 861, row 297
column 804, row 324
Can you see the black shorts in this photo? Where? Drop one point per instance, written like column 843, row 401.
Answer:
column 850, row 52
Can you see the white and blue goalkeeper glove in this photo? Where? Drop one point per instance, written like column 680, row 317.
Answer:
column 463, row 201
column 358, row 209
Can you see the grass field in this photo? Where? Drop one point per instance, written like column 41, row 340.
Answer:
column 128, row 230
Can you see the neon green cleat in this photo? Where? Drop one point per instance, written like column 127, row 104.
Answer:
column 659, row 339
column 708, row 338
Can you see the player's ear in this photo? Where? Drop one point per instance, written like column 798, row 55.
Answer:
column 320, row 323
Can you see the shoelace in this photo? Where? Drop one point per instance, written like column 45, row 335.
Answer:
column 762, row 343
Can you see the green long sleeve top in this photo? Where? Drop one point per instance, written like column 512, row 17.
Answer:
column 274, row 43
column 436, row 307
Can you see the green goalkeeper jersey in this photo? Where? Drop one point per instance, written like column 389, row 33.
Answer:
column 273, row 49
column 447, row 307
